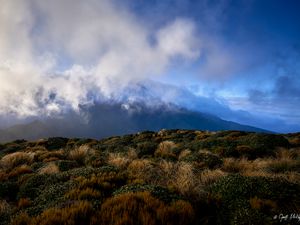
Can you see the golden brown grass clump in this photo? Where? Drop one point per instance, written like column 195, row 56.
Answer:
column 85, row 194
column 184, row 153
column 141, row 208
column 141, row 170
column 76, row 214
column 15, row 159
column 165, row 148
column 50, row 168
column 81, row 153
column 23, row 169
column 24, row 203
column 208, row 177
column 118, row 160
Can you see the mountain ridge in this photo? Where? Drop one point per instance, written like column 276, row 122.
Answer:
column 104, row 120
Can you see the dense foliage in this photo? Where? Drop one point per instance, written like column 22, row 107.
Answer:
column 166, row 177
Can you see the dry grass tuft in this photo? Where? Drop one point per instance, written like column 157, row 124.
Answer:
column 165, row 148
column 132, row 154
column 141, row 169
column 118, row 160
column 262, row 204
column 244, row 166
column 79, row 212
column 24, row 203
column 3, row 175
column 179, row 176
column 15, row 159
column 50, row 168
column 184, row 153
column 81, row 153
column 19, row 171
column 85, row 194
column 285, row 154
column 186, row 182
column 208, row 177
column 142, row 208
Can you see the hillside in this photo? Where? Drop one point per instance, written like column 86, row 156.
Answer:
column 165, row 177
column 104, row 120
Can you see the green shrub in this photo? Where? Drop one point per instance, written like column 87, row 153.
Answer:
column 77, row 213
column 263, row 144
column 235, row 192
column 204, row 159
column 37, row 165
column 8, row 190
column 50, row 196
column 55, row 143
column 65, row 165
column 36, row 183
column 146, row 148
column 10, row 148
column 83, row 141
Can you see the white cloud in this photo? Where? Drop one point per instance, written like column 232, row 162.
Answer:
column 97, row 47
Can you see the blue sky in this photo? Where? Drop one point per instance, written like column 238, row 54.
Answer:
column 262, row 40
column 238, row 59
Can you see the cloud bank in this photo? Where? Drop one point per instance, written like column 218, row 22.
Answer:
column 56, row 55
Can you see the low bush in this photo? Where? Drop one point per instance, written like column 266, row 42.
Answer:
column 203, row 159
column 146, row 148
column 236, row 191
column 159, row 192
column 65, row 165
column 263, row 144
column 8, row 190
column 77, row 213
column 56, row 143
column 49, row 196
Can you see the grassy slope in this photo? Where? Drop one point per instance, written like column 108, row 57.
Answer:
column 168, row 177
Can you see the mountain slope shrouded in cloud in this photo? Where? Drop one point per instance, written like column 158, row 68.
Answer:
column 106, row 120
column 237, row 60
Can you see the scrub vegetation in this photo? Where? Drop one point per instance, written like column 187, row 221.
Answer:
column 166, row 177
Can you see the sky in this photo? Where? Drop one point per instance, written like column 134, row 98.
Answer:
column 237, row 59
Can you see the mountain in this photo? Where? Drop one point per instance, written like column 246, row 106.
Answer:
column 103, row 120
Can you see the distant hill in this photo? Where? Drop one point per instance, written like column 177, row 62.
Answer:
column 103, row 120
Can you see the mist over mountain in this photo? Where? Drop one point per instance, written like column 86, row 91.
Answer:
column 104, row 120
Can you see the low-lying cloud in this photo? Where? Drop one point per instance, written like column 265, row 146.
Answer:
column 56, row 55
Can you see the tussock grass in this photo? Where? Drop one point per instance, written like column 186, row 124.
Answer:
column 184, row 154
column 168, row 177
column 118, row 160
column 147, row 210
column 16, row 159
column 50, row 168
column 81, row 153
column 23, row 169
column 208, row 177
column 165, row 149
